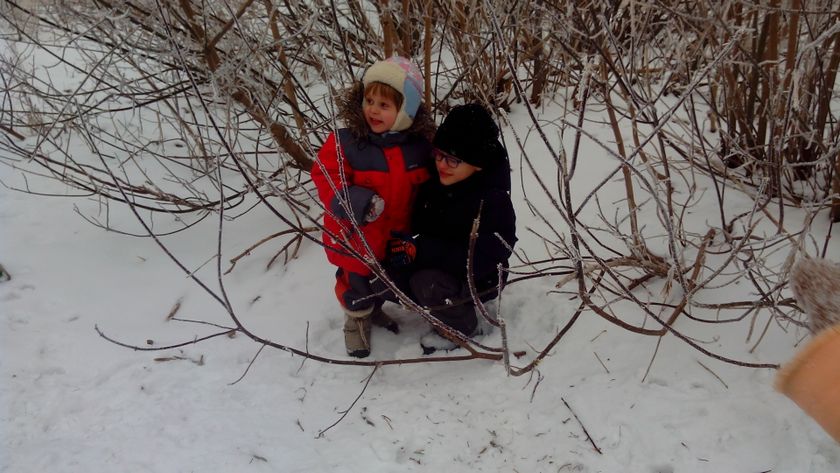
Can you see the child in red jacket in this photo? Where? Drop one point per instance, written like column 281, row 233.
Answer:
column 367, row 176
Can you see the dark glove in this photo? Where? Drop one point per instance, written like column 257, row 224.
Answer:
column 401, row 251
column 364, row 204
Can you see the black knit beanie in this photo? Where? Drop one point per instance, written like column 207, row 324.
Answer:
column 469, row 133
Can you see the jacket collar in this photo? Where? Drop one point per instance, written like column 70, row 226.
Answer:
column 388, row 139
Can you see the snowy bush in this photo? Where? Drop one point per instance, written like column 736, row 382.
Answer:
column 185, row 110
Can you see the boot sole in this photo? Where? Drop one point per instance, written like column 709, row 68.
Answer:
column 359, row 353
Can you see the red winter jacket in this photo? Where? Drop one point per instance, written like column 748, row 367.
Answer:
column 392, row 166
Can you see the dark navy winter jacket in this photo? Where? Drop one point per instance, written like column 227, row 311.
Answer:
column 443, row 218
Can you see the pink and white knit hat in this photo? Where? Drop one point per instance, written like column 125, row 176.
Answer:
column 401, row 74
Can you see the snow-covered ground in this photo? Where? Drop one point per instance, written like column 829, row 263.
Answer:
column 70, row 401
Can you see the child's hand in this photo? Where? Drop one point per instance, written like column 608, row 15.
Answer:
column 363, row 203
column 375, row 208
column 401, row 251
column 811, row 378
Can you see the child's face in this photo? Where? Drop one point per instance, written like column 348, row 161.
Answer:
column 452, row 170
column 380, row 112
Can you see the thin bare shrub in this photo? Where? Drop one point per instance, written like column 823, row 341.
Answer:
column 199, row 108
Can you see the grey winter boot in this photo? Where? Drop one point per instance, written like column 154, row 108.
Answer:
column 357, row 333
column 433, row 341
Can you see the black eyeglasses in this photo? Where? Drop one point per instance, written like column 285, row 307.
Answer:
column 450, row 160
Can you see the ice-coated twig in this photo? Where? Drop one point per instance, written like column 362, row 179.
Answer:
column 349, row 408
column 583, row 427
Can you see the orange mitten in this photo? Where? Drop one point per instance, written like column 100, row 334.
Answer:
column 812, row 378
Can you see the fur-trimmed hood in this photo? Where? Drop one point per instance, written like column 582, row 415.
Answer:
column 350, row 112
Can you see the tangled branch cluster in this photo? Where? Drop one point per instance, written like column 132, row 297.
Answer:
column 199, row 108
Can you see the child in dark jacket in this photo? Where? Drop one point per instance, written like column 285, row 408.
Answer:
column 367, row 176
column 473, row 177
